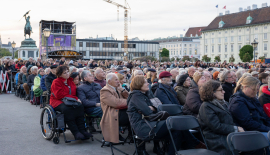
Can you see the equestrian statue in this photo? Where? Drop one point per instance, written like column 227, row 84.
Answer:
column 27, row 28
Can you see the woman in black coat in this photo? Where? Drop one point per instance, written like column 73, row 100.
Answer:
column 214, row 117
column 139, row 104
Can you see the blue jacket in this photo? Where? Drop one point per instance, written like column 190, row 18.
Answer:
column 42, row 83
column 248, row 113
column 166, row 96
column 89, row 94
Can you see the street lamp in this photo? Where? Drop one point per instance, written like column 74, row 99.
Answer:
column 160, row 50
column 254, row 44
column 13, row 44
column 47, row 33
column 256, row 54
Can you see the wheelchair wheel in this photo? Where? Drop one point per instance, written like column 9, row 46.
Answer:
column 56, row 140
column 47, row 122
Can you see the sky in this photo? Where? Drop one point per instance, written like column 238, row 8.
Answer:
column 149, row 18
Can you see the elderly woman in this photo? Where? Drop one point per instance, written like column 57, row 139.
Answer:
column 214, row 117
column 37, row 83
column 245, row 108
column 122, row 80
column 63, row 86
column 182, row 88
column 139, row 104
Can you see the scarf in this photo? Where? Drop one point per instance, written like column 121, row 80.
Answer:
column 218, row 103
column 39, row 76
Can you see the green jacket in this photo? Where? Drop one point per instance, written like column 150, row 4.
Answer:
column 36, row 82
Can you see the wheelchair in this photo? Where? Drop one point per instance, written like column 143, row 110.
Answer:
column 52, row 125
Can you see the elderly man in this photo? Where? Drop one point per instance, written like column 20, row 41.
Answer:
column 23, row 71
column 42, row 81
column 113, row 99
column 30, row 81
column 89, row 94
column 165, row 93
column 174, row 73
column 30, row 62
column 50, row 77
column 255, row 74
column 191, row 71
column 227, row 80
column 100, row 77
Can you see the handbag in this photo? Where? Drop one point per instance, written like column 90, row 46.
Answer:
column 155, row 101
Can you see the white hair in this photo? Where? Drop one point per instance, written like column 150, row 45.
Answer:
column 84, row 73
column 71, row 69
column 47, row 70
column 182, row 72
column 33, row 68
column 80, row 69
column 168, row 69
column 110, row 76
column 98, row 70
column 136, row 72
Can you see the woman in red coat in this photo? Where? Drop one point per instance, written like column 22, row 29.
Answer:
column 63, row 86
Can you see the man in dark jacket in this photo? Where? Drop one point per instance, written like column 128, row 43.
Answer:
column 62, row 61
column 265, row 97
column 227, row 79
column 89, row 94
column 165, row 93
column 30, row 62
column 49, row 79
column 30, row 81
column 100, row 77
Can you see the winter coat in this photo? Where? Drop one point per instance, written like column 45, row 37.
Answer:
column 36, row 82
column 154, row 87
column 216, row 123
column 49, row 80
column 18, row 66
column 60, row 90
column 149, row 81
column 20, row 79
column 166, row 96
column 29, row 63
column 102, row 83
column 139, row 102
column 265, row 97
column 193, row 102
column 30, row 80
column 89, row 94
column 228, row 88
column 110, row 104
column 181, row 94
column 42, row 83
column 24, row 78
column 248, row 113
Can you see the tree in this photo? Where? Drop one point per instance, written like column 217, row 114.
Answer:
column 246, row 58
column 173, row 58
column 217, row 58
column 4, row 52
column 262, row 58
column 163, row 59
column 165, row 53
column 16, row 54
column 185, row 58
column 246, row 49
column 205, row 58
column 231, row 59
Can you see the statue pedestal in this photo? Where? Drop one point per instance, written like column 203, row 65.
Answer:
column 28, row 49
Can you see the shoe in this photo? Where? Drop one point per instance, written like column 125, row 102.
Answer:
column 86, row 134
column 79, row 136
column 31, row 101
column 157, row 150
column 142, row 152
column 121, row 139
column 200, row 146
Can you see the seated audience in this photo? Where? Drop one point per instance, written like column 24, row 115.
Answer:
column 265, row 96
column 214, row 117
column 100, row 77
column 174, row 73
column 63, row 86
column 263, row 77
column 30, row 81
column 76, row 78
column 49, row 79
column 193, row 100
column 113, row 99
column 182, row 88
column 122, row 80
column 227, row 84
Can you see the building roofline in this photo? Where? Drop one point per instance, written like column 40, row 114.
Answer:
column 119, row 41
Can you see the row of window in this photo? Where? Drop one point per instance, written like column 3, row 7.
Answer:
column 232, row 48
column 30, row 54
column 106, row 45
column 120, row 54
column 185, row 45
column 225, row 56
column 232, row 31
column 184, row 53
column 239, row 38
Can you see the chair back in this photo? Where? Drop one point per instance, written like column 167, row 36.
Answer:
column 172, row 109
column 184, row 122
column 246, row 141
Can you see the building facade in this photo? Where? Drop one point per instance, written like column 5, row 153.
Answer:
column 114, row 49
column 228, row 33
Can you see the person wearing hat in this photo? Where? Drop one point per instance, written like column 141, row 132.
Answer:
column 193, row 99
column 255, row 74
column 165, row 92
column 182, row 88
column 49, row 79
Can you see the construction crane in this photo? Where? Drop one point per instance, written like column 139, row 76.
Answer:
column 126, row 7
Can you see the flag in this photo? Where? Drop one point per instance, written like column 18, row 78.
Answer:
column 224, row 7
column 200, row 30
column 217, row 6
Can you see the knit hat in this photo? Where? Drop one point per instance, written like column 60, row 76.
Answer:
column 215, row 75
column 182, row 79
column 164, row 74
column 197, row 76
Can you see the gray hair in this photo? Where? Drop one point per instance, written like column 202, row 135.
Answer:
column 98, row 70
column 47, row 70
column 224, row 75
column 70, row 69
column 158, row 74
column 136, row 72
column 110, row 76
column 33, row 68
column 182, row 72
column 239, row 73
column 84, row 74
column 80, row 69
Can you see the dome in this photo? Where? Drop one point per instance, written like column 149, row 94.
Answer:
column 220, row 24
column 249, row 19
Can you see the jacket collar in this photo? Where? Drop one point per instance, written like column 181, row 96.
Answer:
column 62, row 79
column 265, row 90
column 88, row 83
column 98, row 80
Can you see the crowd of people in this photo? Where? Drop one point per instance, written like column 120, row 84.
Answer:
column 224, row 97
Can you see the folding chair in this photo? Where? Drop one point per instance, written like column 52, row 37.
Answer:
column 249, row 141
column 172, row 109
column 185, row 123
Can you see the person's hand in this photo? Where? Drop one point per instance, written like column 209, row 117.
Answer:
column 240, row 129
column 97, row 104
column 152, row 108
column 79, row 100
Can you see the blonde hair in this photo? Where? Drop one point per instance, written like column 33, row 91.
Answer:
column 148, row 75
column 246, row 81
column 260, row 91
column 120, row 76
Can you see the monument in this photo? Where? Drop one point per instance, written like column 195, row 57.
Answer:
column 28, row 45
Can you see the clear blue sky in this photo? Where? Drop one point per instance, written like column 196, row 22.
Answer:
column 149, row 18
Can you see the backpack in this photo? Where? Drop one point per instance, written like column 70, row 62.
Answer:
column 266, row 108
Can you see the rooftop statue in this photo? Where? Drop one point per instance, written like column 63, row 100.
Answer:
column 27, row 28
